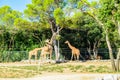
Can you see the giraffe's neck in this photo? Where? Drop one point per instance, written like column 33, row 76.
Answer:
column 52, row 38
column 51, row 41
column 70, row 46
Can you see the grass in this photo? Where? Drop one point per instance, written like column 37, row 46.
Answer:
column 10, row 72
column 32, row 70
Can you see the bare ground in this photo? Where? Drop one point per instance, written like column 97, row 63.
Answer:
column 67, row 75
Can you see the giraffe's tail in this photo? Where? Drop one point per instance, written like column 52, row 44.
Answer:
column 40, row 48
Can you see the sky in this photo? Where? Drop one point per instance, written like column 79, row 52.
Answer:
column 19, row 5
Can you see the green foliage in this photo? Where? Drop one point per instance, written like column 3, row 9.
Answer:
column 58, row 37
column 77, row 18
column 8, row 16
column 80, row 4
column 47, row 4
column 105, row 10
column 94, row 3
column 59, row 16
column 109, row 16
column 18, row 33
column 74, row 21
column 22, row 24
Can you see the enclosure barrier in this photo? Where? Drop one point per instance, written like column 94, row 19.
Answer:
column 12, row 56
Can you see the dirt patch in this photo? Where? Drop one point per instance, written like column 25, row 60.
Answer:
column 86, row 63
column 66, row 74
column 69, row 76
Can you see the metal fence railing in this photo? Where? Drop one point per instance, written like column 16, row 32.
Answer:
column 8, row 56
column 103, row 52
column 65, row 53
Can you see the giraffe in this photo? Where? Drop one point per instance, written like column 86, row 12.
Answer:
column 44, row 52
column 33, row 52
column 47, row 50
column 75, row 51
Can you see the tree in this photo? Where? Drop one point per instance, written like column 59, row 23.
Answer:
column 102, row 14
column 44, row 12
column 8, row 17
column 116, row 20
column 94, row 36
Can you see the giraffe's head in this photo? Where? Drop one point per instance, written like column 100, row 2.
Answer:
column 47, row 41
column 66, row 42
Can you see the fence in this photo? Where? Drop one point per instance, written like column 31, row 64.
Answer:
column 12, row 56
column 8, row 56
column 103, row 52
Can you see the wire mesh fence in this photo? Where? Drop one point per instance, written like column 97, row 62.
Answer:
column 103, row 52
column 8, row 56
column 12, row 56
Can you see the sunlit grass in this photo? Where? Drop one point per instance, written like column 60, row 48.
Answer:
column 32, row 70
column 10, row 72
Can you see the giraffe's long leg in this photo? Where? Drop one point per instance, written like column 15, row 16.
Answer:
column 36, row 58
column 50, row 55
column 45, row 55
column 77, row 57
column 73, row 56
column 41, row 57
column 30, row 58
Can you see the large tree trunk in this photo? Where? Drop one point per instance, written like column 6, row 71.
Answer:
column 118, row 25
column 110, row 52
column 54, row 42
column 118, row 59
column 89, row 50
column 119, row 28
column 53, row 39
column 57, row 54
column 95, row 50
column 118, row 54
column 96, row 44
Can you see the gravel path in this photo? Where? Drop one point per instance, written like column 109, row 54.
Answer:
column 74, row 76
